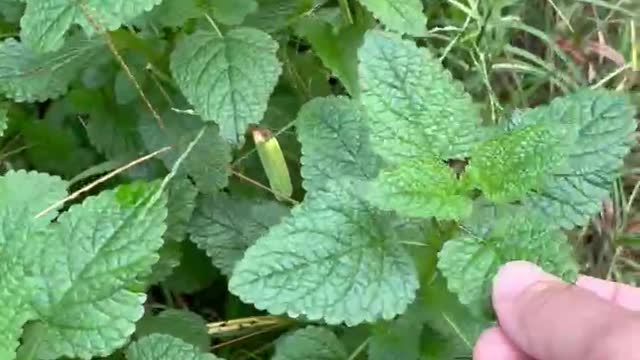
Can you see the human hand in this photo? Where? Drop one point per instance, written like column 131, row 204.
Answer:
column 543, row 318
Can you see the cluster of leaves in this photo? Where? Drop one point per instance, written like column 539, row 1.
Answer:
column 367, row 233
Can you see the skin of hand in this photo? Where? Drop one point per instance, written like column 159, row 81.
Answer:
column 541, row 317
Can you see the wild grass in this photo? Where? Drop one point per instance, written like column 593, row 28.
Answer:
column 513, row 54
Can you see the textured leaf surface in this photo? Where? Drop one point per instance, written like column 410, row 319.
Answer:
column 337, row 50
column 421, row 188
column 46, row 21
column 310, row 343
column 181, row 324
column 165, row 347
column 181, row 203
column 225, row 227
column 442, row 311
column 173, row 13
column 334, row 259
column 195, row 271
column 113, row 132
column 508, row 167
column 11, row 10
column 335, row 142
column 22, row 196
column 232, row 12
column 398, row 339
column 415, row 107
column 470, row 261
column 605, row 123
column 94, row 251
column 169, row 255
column 405, row 17
column 228, row 80
column 28, row 76
column 54, row 149
column 207, row 163
column 275, row 15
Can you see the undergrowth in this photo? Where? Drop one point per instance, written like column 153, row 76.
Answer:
column 307, row 179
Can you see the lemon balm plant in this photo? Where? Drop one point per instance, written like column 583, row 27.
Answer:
column 367, row 224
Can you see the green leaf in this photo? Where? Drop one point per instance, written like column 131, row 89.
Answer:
column 310, row 343
column 415, row 107
column 436, row 326
column 173, row 13
column 470, row 261
column 113, row 132
column 125, row 90
column 232, row 12
column 421, row 188
column 11, row 10
column 26, row 76
column 194, row 273
column 181, row 203
column 181, row 324
column 228, row 80
column 22, row 196
column 604, row 122
column 225, row 226
column 398, row 339
column 93, row 252
column 442, row 311
column 507, row 167
column 275, row 15
column 335, row 142
column 333, row 259
column 52, row 148
column 4, row 117
column 337, row 50
column 405, row 17
column 45, row 22
column 207, row 164
column 165, row 347
column 169, row 255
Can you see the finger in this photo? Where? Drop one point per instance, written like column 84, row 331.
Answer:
column 621, row 294
column 551, row 320
column 494, row 345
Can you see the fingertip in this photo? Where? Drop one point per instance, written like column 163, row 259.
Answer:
column 494, row 345
column 514, row 278
column 549, row 319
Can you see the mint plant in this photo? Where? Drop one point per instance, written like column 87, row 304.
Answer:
column 137, row 219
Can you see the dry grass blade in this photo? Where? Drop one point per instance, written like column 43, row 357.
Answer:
column 263, row 187
column 233, row 341
column 100, row 29
column 230, row 326
column 101, row 180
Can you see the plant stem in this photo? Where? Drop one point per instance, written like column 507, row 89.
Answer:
column 435, row 241
column 168, row 297
column 213, row 24
column 346, row 11
column 359, row 349
column 31, row 340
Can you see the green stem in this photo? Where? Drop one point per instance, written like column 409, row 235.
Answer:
column 213, row 24
column 359, row 349
column 435, row 241
column 168, row 297
column 31, row 340
column 346, row 11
